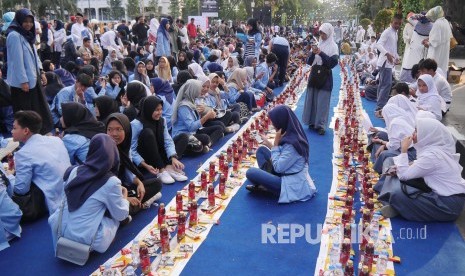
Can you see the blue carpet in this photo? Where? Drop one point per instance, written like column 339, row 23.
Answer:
column 235, row 246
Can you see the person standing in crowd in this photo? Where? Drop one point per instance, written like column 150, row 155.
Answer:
column 78, row 29
column 123, row 27
column 139, row 30
column 338, row 35
column 425, row 190
column 280, row 47
column 388, row 58
column 288, row 156
column 325, row 54
column 59, row 37
column 438, row 43
column 45, row 152
column 192, row 31
column 112, row 40
column 25, row 75
column 163, row 41
column 254, row 39
column 95, row 201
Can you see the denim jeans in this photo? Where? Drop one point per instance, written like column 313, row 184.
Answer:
column 260, row 177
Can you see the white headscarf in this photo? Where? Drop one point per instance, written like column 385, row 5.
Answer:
column 328, row 46
column 392, row 111
column 403, row 102
column 433, row 136
column 432, row 92
column 154, row 26
column 196, row 69
column 421, row 114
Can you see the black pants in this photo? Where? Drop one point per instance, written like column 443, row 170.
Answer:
column 105, row 53
column 282, row 52
column 148, row 148
column 180, row 143
column 152, row 187
column 209, row 135
column 33, row 100
column 56, row 59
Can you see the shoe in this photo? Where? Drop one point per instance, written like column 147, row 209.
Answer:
column 233, row 128
column 388, row 211
column 126, row 220
column 321, row 131
column 178, row 176
column 205, row 149
column 165, row 177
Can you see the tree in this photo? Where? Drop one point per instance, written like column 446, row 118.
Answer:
column 133, row 8
column 58, row 7
column 383, row 19
column 365, row 22
column 153, row 7
column 116, row 10
column 175, row 8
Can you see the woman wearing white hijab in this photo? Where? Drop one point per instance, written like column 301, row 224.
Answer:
column 399, row 125
column 196, row 70
column 403, row 102
column 428, row 96
column 431, row 188
column 153, row 28
column 316, row 108
column 438, row 43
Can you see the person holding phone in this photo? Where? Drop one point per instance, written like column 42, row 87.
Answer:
column 323, row 58
column 283, row 164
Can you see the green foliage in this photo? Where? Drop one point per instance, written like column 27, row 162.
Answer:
column 365, row 22
column 175, row 9
column 152, row 8
column 383, row 19
column 116, row 9
column 191, row 7
column 133, row 8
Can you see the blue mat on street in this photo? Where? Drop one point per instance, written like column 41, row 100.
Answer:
column 239, row 244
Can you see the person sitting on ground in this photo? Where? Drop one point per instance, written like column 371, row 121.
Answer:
column 186, row 119
column 80, row 126
column 429, row 189
column 428, row 97
column 104, row 106
column 218, row 99
column 429, row 66
column 140, row 74
column 95, row 201
column 152, row 147
column 135, row 92
column 114, row 87
column 283, row 165
column 164, row 91
column 45, row 152
column 74, row 93
column 140, row 189
column 182, row 78
column 10, row 215
column 237, row 90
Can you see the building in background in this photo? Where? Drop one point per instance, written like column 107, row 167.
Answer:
column 100, row 10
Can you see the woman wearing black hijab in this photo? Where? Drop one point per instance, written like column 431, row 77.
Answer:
column 80, row 126
column 59, row 36
column 54, row 85
column 182, row 78
column 152, row 146
column 183, row 61
column 140, row 189
column 45, row 49
column 95, row 201
column 104, row 106
column 24, row 74
column 135, row 91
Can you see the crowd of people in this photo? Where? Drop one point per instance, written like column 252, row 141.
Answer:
column 112, row 111
column 105, row 115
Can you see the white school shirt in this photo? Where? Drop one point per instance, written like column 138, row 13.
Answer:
column 444, row 89
column 387, row 43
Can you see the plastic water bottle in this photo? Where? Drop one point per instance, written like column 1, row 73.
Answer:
column 108, row 271
column 135, row 252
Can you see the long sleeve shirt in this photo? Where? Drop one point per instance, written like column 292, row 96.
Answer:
column 387, row 43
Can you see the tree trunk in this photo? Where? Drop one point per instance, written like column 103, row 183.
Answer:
column 456, row 10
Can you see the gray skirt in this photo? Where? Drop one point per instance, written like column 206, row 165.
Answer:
column 421, row 207
column 316, row 108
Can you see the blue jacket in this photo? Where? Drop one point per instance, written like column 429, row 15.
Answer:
column 10, row 216
column 110, row 91
column 188, row 121
column 90, row 220
column 42, row 160
column 23, row 65
column 297, row 186
column 163, row 46
column 233, row 94
column 67, row 95
column 263, row 82
column 77, row 147
column 137, row 127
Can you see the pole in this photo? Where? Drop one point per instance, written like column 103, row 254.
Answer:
column 88, row 1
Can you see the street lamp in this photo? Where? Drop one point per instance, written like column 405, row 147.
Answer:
column 253, row 6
